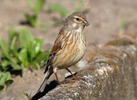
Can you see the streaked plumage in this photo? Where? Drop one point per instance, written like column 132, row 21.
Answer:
column 69, row 46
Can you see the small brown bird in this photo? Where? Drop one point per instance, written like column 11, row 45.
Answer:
column 69, row 47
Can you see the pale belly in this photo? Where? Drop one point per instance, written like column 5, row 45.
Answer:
column 69, row 56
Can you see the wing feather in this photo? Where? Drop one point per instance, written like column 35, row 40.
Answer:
column 57, row 46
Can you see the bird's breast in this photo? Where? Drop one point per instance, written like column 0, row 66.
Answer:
column 81, row 46
column 71, row 53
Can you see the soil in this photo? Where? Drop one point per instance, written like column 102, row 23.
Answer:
column 105, row 18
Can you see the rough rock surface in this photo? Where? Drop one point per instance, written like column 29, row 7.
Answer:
column 111, row 75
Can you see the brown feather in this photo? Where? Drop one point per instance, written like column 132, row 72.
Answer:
column 69, row 46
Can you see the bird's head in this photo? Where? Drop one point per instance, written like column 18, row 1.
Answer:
column 76, row 21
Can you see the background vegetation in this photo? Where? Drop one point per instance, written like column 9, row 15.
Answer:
column 28, row 29
column 23, row 50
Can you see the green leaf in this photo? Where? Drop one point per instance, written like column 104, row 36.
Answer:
column 41, row 59
column 14, row 57
column 8, row 79
column 5, row 79
column 30, row 52
column 13, row 44
column 4, row 46
column 6, row 53
column 58, row 8
column 15, row 66
column 4, row 65
column 34, row 48
column 25, row 38
column 13, row 33
column 23, row 57
column 13, row 40
column 37, row 46
column 13, row 50
column 32, row 19
column 38, row 6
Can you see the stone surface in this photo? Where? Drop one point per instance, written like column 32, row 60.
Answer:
column 111, row 75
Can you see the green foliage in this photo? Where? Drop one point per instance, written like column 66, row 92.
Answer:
column 36, row 7
column 5, row 80
column 32, row 20
column 23, row 51
column 62, row 10
column 41, row 59
column 58, row 8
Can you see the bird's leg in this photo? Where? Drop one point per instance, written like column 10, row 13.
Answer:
column 56, row 76
column 73, row 76
column 55, row 73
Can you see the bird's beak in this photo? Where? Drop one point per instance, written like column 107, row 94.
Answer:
column 86, row 22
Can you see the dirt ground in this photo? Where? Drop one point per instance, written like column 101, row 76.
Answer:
column 105, row 18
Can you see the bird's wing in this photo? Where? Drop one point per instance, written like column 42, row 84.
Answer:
column 57, row 46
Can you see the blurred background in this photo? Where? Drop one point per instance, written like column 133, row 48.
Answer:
column 28, row 29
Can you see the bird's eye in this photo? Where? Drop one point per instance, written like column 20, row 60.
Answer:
column 77, row 19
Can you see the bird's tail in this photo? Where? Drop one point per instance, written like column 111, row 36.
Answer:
column 48, row 73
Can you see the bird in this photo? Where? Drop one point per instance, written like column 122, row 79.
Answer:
column 69, row 47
